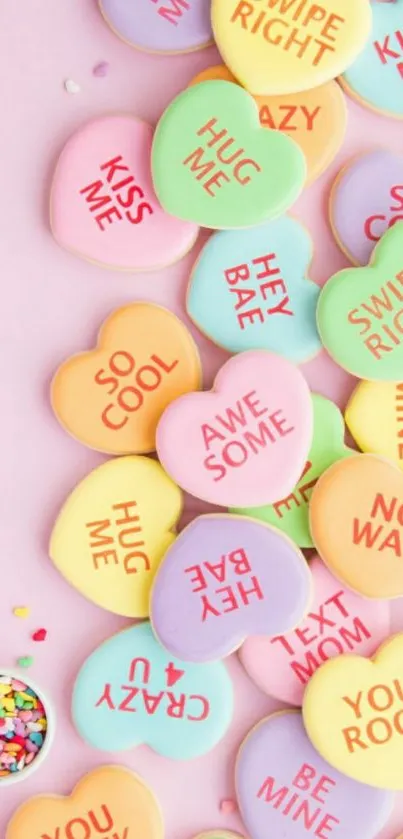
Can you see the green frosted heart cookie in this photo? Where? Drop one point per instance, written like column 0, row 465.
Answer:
column 213, row 163
column 291, row 514
column 360, row 313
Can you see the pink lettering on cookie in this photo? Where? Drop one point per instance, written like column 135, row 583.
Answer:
column 374, row 226
column 299, row 801
column 129, row 398
column 383, row 530
column 250, row 305
column 290, row 117
column 391, row 50
column 119, row 538
column 172, row 10
column 219, row 160
column 241, row 433
column 134, row 697
column 218, row 600
column 309, row 33
column 372, row 314
column 115, row 196
column 332, row 630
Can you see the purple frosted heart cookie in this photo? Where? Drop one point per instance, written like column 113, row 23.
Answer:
column 366, row 199
column 225, row 578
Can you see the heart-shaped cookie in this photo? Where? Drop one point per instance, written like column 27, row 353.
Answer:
column 169, row 26
column 213, row 163
column 356, row 517
column 113, row 531
column 109, row 802
column 225, row 578
column 316, row 119
column 338, row 621
column 291, row 514
column 112, row 398
column 374, row 416
column 353, row 713
column 103, row 205
column 375, row 77
column 131, row 691
column 360, row 313
column 249, row 290
column 366, row 199
column 284, row 46
column 286, row 789
column 248, row 440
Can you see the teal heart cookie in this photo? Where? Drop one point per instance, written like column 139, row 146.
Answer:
column 249, row 290
column 131, row 691
column 376, row 77
column 214, row 164
column 291, row 514
column 360, row 313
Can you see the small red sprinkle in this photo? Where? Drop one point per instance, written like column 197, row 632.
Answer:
column 18, row 739
column 39, row 635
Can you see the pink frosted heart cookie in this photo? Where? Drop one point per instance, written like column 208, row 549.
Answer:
column 338, row 621
column 246, row 441
column 227, row 577
column 103, row 206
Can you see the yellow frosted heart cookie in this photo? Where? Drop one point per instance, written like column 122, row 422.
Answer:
column 353, row 714
column 374, row 416
column 113, row 531
column 284, row 46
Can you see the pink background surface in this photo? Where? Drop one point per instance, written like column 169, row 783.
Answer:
column 53, row 304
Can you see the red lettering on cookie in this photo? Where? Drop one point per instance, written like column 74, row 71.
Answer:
column 118, row 537
column 115, row 196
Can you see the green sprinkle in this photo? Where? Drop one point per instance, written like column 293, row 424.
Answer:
column 25, row 661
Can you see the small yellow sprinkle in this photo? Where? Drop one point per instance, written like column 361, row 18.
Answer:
column 21, row 611
column 4, row 689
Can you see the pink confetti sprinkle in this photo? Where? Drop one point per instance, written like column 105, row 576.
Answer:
column 101, row 69
column 228, row 805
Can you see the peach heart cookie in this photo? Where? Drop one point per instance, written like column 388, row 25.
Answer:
column 375, row 77
column 291, row 514
column 338, row 621
column 130, row 691
column 112, row 398
column 168, row 26
column 249, row 290
column 284, row 46
column 285, row 788
column 360, row 313
column 213, row 163
column 361, row 732
column 247, row 441
column 244, row 578
column 374, row 416
column 109, row 800
column 316, row 119
column 113, row 531
column 103, row 205
column 366, row 199
column 357, row 524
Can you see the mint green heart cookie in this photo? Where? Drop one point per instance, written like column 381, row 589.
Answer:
column 214, row 164
column 360, row 313
column 291, row 515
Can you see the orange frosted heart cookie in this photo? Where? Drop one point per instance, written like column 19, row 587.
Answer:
column 112, row 398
